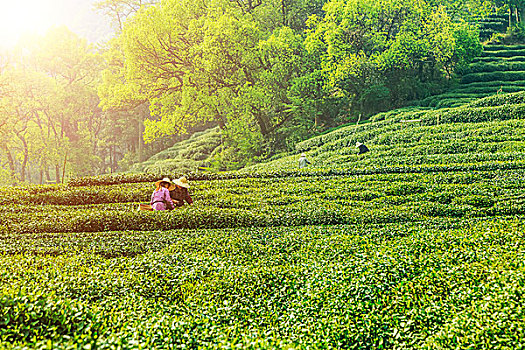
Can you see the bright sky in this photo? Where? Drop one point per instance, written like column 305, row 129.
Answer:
column 19, row 17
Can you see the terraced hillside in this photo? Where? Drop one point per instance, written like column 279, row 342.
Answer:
column 417, row 244
column 492, row 24
column 487, row 131
column 500, row 69
column 188, row 155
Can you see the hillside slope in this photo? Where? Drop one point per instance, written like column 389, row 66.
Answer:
column 185, row 156
column 487, row 130
column 500, row 69
column 499, row 72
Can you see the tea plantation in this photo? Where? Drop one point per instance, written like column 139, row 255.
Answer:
column 184, row 156
column 418, row 244
column 500, row 69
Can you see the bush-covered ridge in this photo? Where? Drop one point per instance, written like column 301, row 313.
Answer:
column 500, row 69
column 488, row 130
column 185, row 156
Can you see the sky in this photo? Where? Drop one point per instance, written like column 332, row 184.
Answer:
column 21, row 17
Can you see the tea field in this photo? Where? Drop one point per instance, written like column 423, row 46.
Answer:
column 499, row 69
column 418, row 244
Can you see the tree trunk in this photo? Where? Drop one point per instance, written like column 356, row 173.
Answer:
column 64, row 167
column 283, row 9
column 140, row 140
column 57, row 173
column 25, row 159
column 220, row 119
column 10, row 160
column 261, row 122
column 110, row 159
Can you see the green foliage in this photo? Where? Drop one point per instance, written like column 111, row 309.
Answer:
column 512, row 36
column 30, row 318
column 388, row 67
column 248, row 67
column 492, row 67
column 51, row 125
column 498, row 71
column 220, row 67
column 185, row 156
column 498, row 100
column 349, row 285
column 481, row 77
column 416, row 244
column 268, row 74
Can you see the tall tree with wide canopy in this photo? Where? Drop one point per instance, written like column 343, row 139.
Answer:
column 380, row 54
column 193, row 62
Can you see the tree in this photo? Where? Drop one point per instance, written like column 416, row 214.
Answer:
column 71, row 111
column 18, row 112
column 466, row 10
column 122, row 103
column 49, row 109
column 274, row 14
column 380, row 54
column 194, row 64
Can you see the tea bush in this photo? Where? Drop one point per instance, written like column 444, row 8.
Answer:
column 354, row 286
column 319, row 198
column 491, row 76
column 498, row 71
column 490, row 132
column 185, row 156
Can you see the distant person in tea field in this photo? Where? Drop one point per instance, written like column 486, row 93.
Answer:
column 362, row 148
column 160, row 198
column 179, row 192
column 303, row 162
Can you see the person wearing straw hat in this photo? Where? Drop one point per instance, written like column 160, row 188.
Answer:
column 179, row 192
column 160, row 198
column 362, row 148
column 303, row 162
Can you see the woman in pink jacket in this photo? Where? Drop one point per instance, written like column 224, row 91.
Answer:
column 160, row 198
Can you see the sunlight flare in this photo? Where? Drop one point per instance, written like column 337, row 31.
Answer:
column 23, row 17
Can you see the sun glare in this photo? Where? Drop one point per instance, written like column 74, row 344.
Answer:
column 20, row 17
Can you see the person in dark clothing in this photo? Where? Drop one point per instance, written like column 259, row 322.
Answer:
column 179, row 192
column 362, row 148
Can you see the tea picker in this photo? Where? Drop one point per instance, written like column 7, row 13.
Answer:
column 362, row 148
column 303, row 162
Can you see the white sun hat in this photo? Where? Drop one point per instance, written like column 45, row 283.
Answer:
column 163, row 180
column 182, row 182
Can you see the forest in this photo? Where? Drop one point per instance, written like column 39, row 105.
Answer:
column 268, row 73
